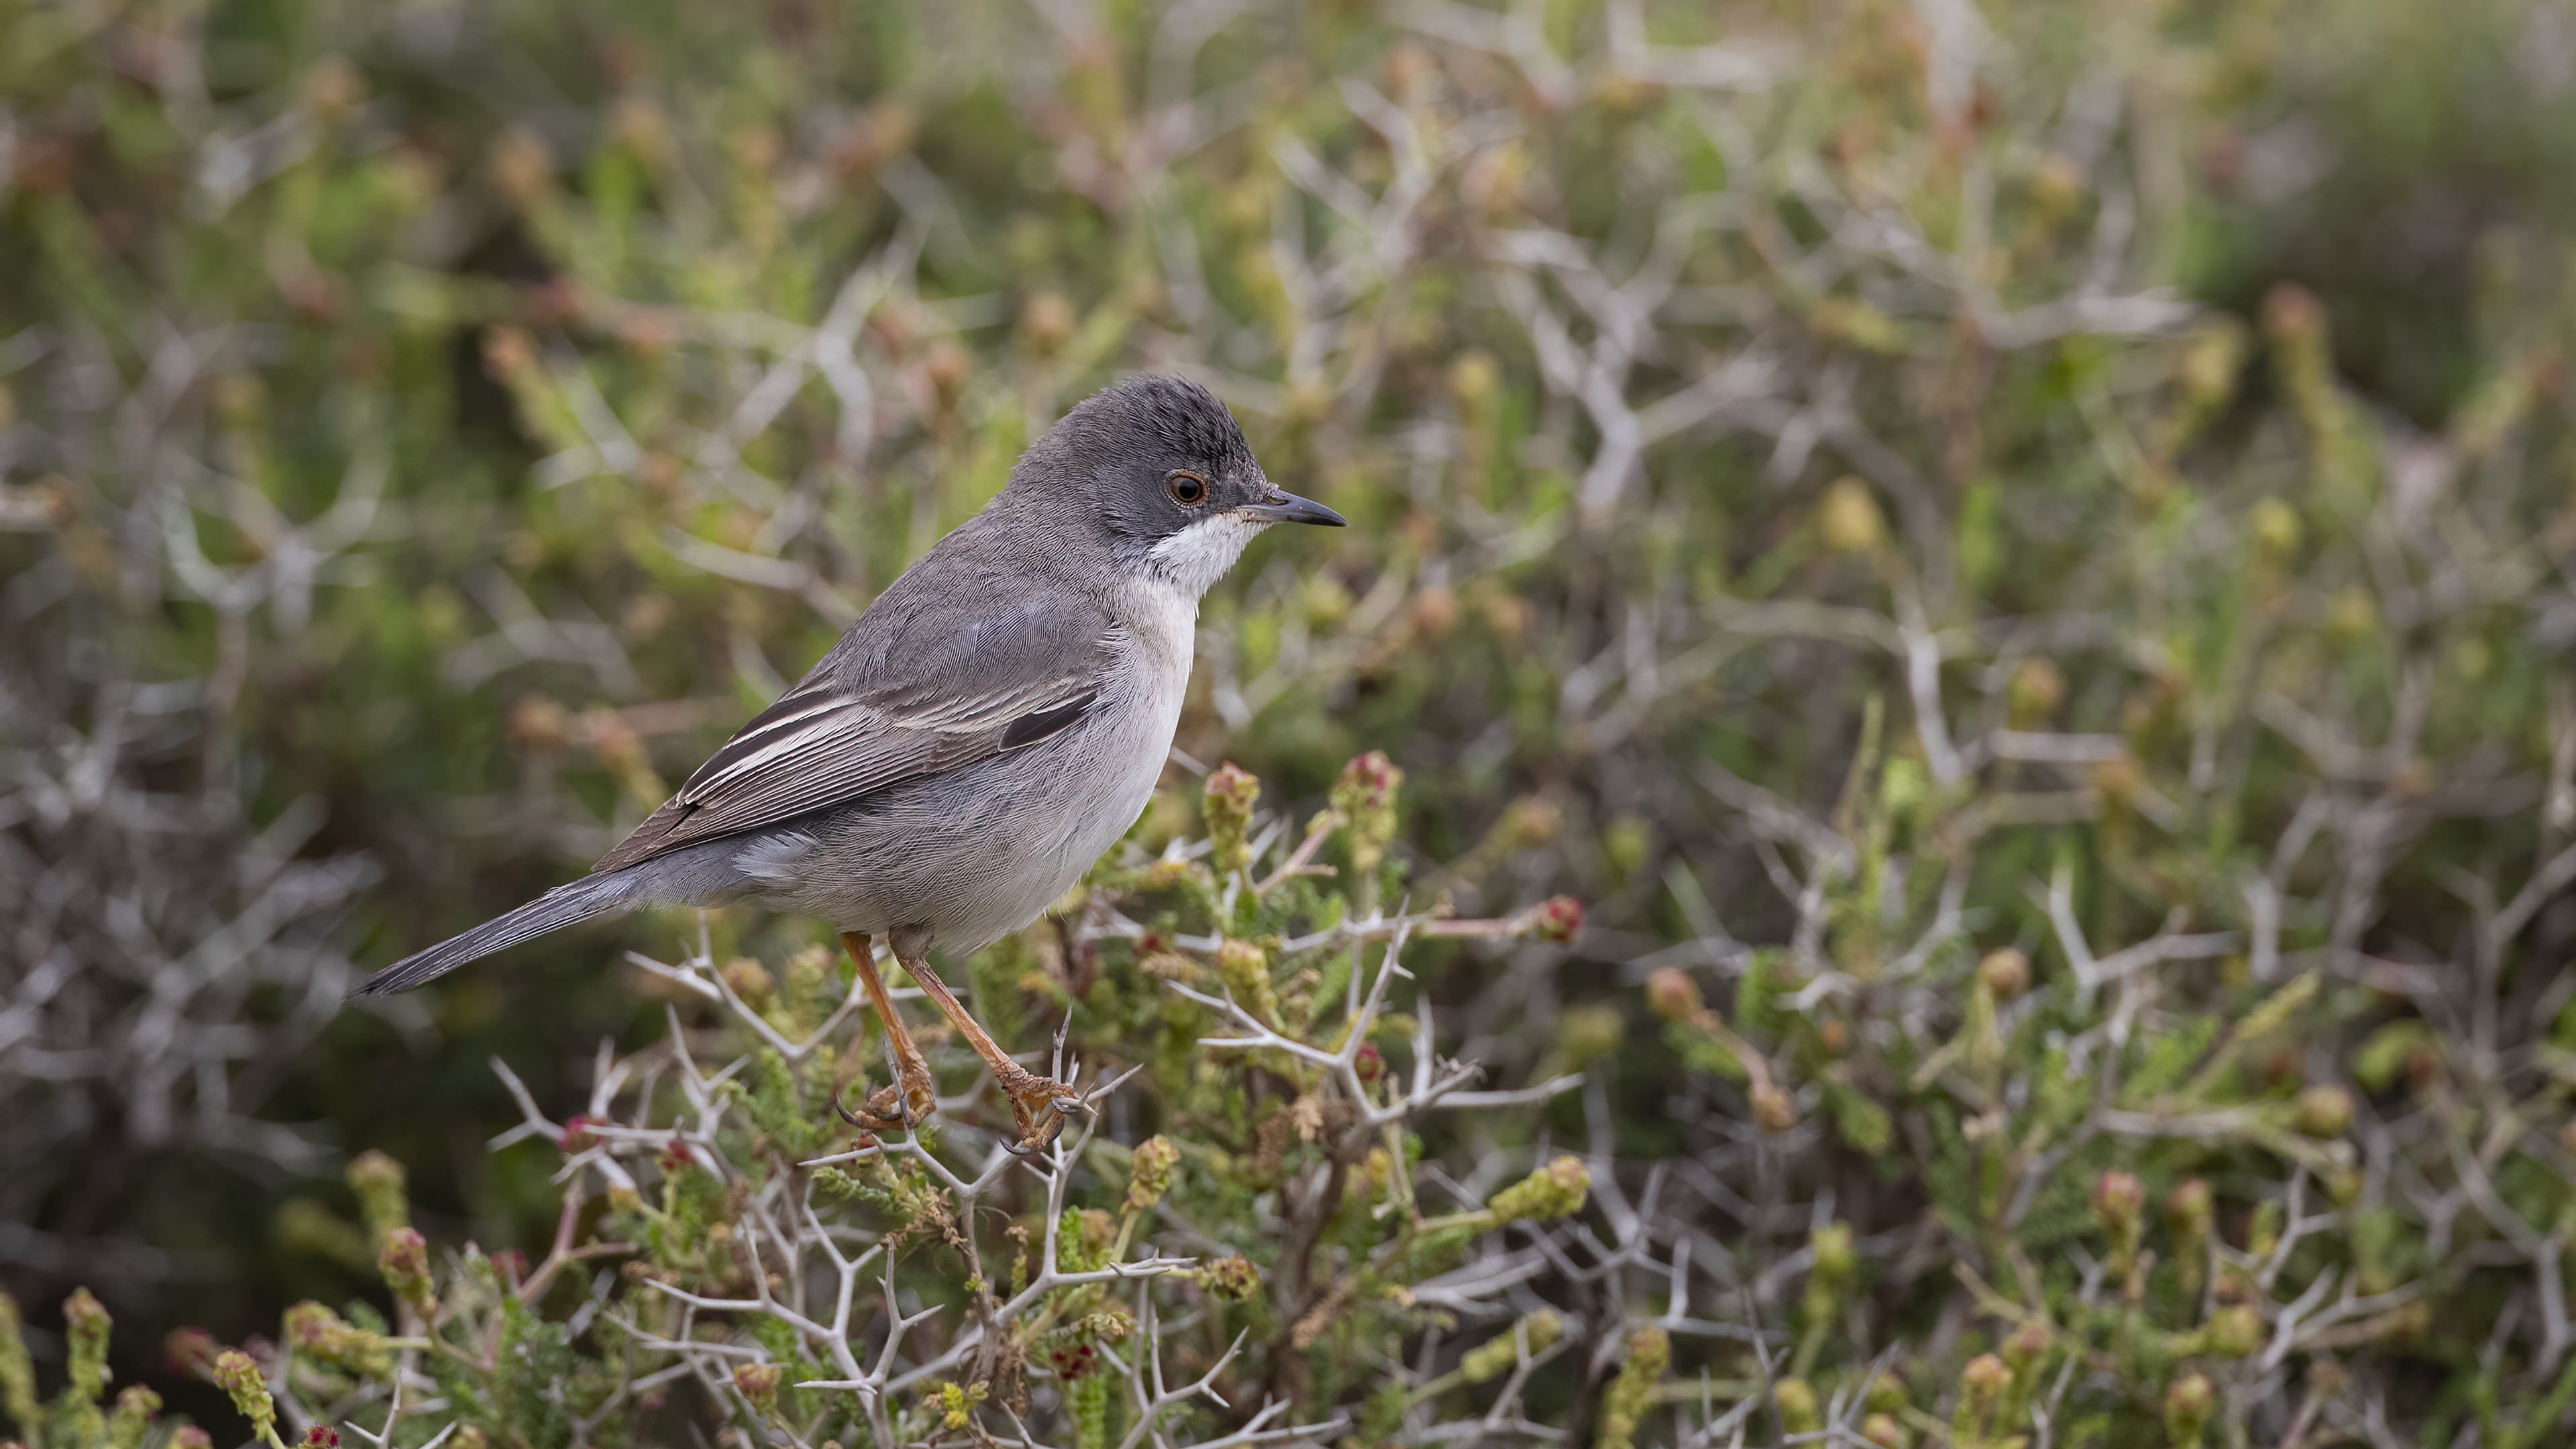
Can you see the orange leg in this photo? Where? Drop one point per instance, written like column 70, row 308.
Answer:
column 912, row 1096
column 1039, row 1104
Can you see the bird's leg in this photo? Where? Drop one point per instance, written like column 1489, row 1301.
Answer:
column 1038, row 1103
column 912, row 1096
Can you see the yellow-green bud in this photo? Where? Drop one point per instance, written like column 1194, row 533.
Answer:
column 1800, row 1413
column 2036, row 690
column 405, row 1264
column 2265, row 1233
column 1544, row 1329
column 759, row 1385
column 2006, row 973
column 1982, row 1387
column 2118, row 1198
column 86, row 1323
column 1673, row 995
column 2187, row 1406
column 189, row 1436
column 1983, row 1382
column 751, row 981
column 1150, row 1172
column 378, row 1182
column 1491, row 1358
column 1887, row 1395
column 1227, row 801
column 2324, row 1111
column 1632, row 1393
column 2209, row 363
column 2233, row 1332
column 132, row 1418
column 1487, row 1360
column 955, row 1403
column 1848, row 519
column 17, row 1370
column 1246, row 969
column 239, row 1377
column 1233, row 1279
column 317, row 1331
column 2024, row 1350
column 2276, row 527
column 1554, row 1191
column 1836, row 1257
column 1472, row 377
column 2190, row 1209
column 1885, row 1432
column 1365, row 796
column 1587, row 1033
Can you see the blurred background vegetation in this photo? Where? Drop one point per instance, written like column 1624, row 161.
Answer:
column 1811, row 465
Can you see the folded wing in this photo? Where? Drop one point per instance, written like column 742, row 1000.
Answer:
column 920, row 685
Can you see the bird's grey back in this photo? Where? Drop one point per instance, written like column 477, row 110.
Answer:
column 974, row 651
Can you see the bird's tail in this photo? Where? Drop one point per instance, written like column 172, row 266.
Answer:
column 579, row 901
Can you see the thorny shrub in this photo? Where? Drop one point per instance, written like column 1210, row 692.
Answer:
column 1246, row 1255
column 2072, row 789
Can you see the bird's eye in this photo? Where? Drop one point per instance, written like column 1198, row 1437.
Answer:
column 1188, row 489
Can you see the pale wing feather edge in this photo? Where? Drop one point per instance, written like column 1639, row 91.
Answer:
column 839, row 748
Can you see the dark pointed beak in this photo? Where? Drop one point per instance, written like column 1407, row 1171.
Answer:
column 1280, row 507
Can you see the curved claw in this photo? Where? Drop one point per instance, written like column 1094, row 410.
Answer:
column 899, row 1120
column 868, row 1124
column 1035, row 1157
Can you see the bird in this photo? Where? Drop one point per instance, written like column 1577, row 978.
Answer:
column 988, row 727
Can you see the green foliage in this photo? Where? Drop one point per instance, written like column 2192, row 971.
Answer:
column 2028, row 731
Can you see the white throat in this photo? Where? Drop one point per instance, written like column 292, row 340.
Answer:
column 1193, row 559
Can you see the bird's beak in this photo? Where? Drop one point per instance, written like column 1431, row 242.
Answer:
column 1278, row 507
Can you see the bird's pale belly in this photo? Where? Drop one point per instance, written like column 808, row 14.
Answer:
column 980, row 852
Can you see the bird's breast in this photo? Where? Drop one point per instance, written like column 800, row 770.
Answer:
column 1163, row 621
column 1127, row 742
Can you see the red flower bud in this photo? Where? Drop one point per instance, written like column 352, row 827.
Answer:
column 405, row 1264
column 190, row 1352
column 1673, row 995
column 1558, row 918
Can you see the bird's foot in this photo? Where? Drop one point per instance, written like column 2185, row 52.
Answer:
column 1041, row 1105
column 897, row 1106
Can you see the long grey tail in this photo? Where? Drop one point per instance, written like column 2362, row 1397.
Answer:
column 590, row 896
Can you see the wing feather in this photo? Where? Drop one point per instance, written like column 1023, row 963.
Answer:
column 911, row 690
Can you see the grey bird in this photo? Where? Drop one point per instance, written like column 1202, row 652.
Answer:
column 992, row 724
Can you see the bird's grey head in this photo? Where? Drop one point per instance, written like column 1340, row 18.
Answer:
column 1156, row 470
